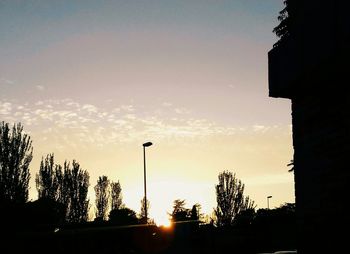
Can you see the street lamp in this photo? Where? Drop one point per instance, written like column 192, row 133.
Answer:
column 144, row 175
column 268, row 205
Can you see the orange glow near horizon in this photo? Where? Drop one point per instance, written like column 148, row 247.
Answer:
column 167, row 224
column 184, row 169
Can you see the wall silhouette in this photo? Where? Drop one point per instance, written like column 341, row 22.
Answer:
column 310, row 67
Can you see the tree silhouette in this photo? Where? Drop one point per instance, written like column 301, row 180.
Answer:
column 63, row 185
column 230, row 199
column 68, row 185
column 73, row 189
column 286, row 18
column 15, row 156
column 245, row 218
column 116, row 196
column 275, row 228
column 179, row 205
column 102, row 192
column 123, row 216
column 180, row 212
column 46, row 180
column 44, row 211
column 79, row 202
column 195, row 212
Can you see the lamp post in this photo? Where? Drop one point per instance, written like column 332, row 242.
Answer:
column 268, row 204
column 144, row 175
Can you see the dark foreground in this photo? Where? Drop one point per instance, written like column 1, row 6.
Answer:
column 181, row 238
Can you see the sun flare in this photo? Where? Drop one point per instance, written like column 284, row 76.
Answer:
column 165, row 223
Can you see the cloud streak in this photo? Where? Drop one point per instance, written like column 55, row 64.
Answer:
column 40, row 88
column 90, row 124
column 5, row 108
column 4, row 81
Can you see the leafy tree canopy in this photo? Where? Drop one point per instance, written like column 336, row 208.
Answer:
column 16, row 153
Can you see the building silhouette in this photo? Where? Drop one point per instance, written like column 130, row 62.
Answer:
column 311, row 66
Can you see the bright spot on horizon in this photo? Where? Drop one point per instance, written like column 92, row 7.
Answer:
column 166, row 223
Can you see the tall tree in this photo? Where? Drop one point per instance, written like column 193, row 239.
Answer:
column 63, row 184
column 116, row 196
column 230, row 199
column 102, row 192
column 46, row 180
column 79, row 202
column 67, row 185
column 74, row 184
column 15, row 156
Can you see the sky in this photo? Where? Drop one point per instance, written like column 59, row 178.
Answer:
column 94, row 80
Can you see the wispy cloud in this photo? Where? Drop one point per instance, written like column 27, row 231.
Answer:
column 40, row 88
column 4, row 81
column 263, row 128
column 90, row 124
column 129, row 108
column 182, row 111
column 166, row 104
column 5, row 108
column 89, row 108
column 257, row 128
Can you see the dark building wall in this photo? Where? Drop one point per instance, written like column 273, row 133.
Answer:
column 321, row 126
column 312, row 68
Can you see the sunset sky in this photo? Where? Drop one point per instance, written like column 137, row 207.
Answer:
column 93, row 80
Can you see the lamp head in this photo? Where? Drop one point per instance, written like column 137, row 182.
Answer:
column 269, row 196
column 147, row 144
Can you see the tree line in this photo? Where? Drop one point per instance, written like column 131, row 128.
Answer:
column 65, row 188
